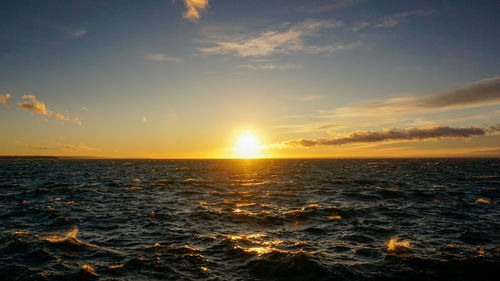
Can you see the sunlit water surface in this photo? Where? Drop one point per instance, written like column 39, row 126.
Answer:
column 426, row 219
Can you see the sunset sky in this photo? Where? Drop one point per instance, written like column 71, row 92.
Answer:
column 188, row 79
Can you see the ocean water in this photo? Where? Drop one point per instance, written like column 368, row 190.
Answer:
column 378, row 219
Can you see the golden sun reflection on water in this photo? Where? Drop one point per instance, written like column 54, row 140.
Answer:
column 254, row 243
column 259, row 250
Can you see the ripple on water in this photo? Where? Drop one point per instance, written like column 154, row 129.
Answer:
column 249, row 220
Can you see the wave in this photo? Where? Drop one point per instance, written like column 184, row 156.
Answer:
column 69, row 238
column 261, row 220
column 397, row 247
column 283, row 265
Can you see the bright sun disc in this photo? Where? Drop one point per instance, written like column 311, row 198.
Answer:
column 248, row 145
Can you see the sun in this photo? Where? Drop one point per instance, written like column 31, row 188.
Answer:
column 248, row 145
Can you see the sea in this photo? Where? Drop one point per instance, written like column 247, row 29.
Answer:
column 249, row 219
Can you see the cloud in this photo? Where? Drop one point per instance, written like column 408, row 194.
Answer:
column 144, row 119
column 34, row 105
column 481, row 93
column 76, row 147
column 3, row 100
column 70, row 31
column 158, row 57
column 194, row 8
column 58, row 146
column 359, row 26
column 270, row 66
column 85, row 109
column 31, row 103
column 282, row 40
column 30, row 146
column 328, row 6
column 310, row 98
column 494, row 129
column 76, row 32
column 390, row 21
column 327, row 126
column 77, row 121
column 394, row 135
column 395, row 19
column 62, row 117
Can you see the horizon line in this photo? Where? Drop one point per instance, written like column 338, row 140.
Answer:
column 3, row 157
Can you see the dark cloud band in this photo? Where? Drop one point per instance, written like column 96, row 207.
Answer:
column 397, row 135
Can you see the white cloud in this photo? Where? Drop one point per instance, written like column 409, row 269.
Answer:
column 281, row 40
column 159, row 57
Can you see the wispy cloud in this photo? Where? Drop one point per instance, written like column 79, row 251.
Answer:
column 483, row 92
column 284, row 39
column 77, row 121
column 38, row 147
column 76, row 147
column 359, row 26
column 58, row 146
column 480, row 93
column 390, row 21
column 410, row 111
column 3, row 100
column 85, row 109
column 310, row 98
column 76, row 32
column 494, row 128
column 327, row 126
column 395, row 19
column 326, row 6
column 159, row 57
column 70, row 31
column 407, row 134
column 194, row 8
column 34, row 105
column 270, row 66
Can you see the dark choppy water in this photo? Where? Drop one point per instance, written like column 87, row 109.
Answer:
column 250, row 219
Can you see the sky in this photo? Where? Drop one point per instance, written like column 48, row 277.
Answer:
column 188, row 78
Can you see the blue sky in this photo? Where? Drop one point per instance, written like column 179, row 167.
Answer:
column 184, row 78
